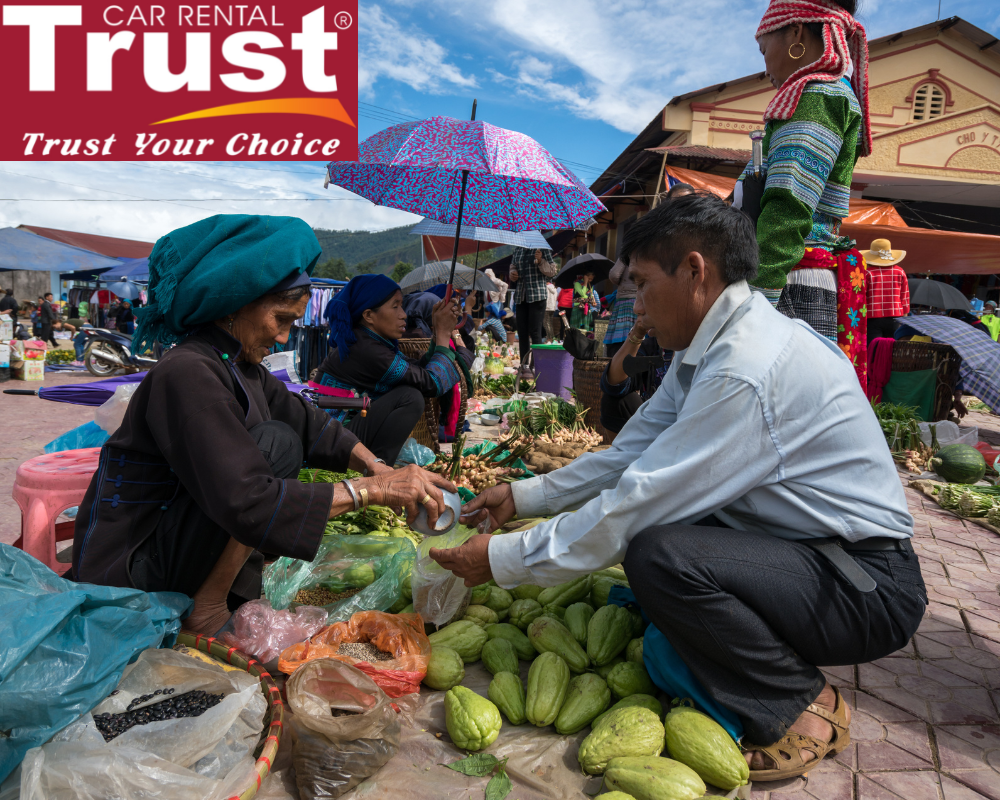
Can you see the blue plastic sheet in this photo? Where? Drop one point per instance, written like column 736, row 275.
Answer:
column 65, row 646
column 90, row 434
column 669, row 671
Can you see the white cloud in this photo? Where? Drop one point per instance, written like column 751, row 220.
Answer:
column 620, row 61
column 389, row 51
column 262, row 188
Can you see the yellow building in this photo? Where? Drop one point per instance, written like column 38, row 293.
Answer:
column 935, row 110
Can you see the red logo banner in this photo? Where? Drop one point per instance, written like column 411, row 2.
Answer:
column 177, row 81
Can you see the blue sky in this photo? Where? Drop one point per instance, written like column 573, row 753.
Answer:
column 580, row 76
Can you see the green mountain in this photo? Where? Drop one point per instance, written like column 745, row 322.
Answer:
column 384, row 248
column 364, row 251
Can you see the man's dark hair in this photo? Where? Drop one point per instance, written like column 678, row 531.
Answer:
column 702, row 222
column 48, row 295
column 8, row 291
column 680, row 189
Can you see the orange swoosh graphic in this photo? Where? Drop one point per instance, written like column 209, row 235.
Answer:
column 313, row 106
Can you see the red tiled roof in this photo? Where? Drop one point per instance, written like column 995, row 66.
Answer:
column 700, row 151
column 105, row 245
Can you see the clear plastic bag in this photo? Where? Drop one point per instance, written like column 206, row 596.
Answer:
column 263, row 632
column 332, row 754
column 400, row 634
column 341, row 561
column 110, row 415
column 170, row 759
column 438, row 596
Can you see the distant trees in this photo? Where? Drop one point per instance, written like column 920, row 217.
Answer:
column 366, row 267
column 401, row 270
column 334, row 268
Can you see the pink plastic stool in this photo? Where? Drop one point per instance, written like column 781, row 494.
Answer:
column 46, row 486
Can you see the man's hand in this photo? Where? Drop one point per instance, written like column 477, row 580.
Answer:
column 497, row 502
column 471, row 561
column 513, row 274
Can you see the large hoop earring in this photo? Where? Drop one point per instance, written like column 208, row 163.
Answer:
column 790, row 55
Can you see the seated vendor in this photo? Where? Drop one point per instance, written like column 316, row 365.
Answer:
column 752, row 500
column 621, row 392
column 367, row 319
column 201, row 476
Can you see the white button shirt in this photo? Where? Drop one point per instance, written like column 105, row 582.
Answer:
column 761, row 421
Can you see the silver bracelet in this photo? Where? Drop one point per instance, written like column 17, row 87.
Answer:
column 354, row 494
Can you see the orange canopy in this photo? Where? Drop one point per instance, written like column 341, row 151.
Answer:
column 936, row 252
column 863, row 212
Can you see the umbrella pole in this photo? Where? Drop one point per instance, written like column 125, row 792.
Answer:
column 458, row 226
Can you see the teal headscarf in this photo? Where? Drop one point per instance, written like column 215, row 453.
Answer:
column 214, row 267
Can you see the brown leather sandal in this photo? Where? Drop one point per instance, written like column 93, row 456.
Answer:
column 786, row 753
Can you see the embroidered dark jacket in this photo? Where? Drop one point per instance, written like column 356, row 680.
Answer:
column 186, row 431
column 375, row 366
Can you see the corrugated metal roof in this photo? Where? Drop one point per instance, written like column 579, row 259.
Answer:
column 105, row 245
column 701, row 151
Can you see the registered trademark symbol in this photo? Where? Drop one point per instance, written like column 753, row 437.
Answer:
column 343, row 20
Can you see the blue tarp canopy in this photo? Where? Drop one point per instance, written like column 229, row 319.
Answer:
column 133, row 269
column 22, row 250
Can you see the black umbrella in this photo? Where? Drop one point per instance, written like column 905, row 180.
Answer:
column 927, row 292
column 588, row 262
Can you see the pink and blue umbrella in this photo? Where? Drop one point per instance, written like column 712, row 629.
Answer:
column 514, row 184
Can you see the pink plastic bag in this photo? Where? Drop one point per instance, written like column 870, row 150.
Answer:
column 259, row 630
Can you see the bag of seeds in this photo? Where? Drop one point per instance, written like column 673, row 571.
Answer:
column 173, row 723
column 349, row 574
column 391, row 648
column 343, row 729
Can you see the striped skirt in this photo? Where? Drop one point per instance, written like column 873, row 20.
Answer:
column 621, row 321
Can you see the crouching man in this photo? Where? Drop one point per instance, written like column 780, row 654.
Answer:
column 752, row 499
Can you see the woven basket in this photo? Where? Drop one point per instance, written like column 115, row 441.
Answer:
column 270, row 737
column 914, row 356
column 426, row 431
column 587, row 385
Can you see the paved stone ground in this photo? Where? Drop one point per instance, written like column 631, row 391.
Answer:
column 926, row 724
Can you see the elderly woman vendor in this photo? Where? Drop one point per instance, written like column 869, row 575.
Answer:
column 367, row 319
column 200, row 478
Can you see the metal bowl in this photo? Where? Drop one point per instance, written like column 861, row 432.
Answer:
column 445, row 522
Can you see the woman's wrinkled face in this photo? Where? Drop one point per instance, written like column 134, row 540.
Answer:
column 263, row 323
column 389, row 319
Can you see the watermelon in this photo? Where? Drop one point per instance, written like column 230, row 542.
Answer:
column 959, row 463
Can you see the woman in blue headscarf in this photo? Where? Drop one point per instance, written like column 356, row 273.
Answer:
column 367, row 318
column 201, row 478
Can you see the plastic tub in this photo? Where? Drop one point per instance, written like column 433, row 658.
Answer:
column 553, row 370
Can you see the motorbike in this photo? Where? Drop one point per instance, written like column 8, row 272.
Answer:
column 108, row 352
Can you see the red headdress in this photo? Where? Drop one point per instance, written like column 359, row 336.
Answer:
column 844, row 43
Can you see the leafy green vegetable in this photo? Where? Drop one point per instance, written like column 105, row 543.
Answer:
column 477, row 764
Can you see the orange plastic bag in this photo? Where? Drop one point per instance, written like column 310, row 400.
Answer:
column 400, row 634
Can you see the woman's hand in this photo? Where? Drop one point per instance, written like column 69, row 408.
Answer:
column 408, row 488
column 470, row 303
column 513, row 274
column 471, row 561
column 444, row 317
column 497, row 503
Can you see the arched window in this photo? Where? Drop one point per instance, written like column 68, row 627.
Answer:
column 928, row 102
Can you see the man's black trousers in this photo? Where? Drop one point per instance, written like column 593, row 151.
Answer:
column 754, row 616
